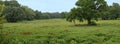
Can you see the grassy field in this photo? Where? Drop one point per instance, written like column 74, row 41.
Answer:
column 59, row 31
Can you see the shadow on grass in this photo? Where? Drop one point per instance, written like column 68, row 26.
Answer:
column 79, row 25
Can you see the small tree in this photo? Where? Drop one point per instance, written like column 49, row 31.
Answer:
column 87, row 10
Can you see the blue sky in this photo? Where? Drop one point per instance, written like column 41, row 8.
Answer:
column 54, row 5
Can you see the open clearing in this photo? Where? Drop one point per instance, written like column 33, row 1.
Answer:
column 59, row 31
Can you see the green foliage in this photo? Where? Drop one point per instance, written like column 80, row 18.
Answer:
column 38, row 15
column 13, row 11
column 48, row 15
column 113, row 12
column 13, row 14
column 1, row 23
column 93, row 23
column 29, row 13
column 73, row 42
column 63, row 14
column 87, row 10
column 1, row 30
column 12, row 3
column 74, row 14
column 1, row 8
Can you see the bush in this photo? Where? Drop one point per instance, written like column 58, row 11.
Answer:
column 93, row 23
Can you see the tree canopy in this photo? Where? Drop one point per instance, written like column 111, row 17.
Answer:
column 87, row 10
column 13, row 14
column 112, row 13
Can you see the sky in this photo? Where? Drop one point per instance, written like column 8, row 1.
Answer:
column 54, row 5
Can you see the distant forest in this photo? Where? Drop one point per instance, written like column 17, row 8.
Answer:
column 14, row 12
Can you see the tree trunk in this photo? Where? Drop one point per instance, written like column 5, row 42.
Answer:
column 74, row 22
column 89, row 21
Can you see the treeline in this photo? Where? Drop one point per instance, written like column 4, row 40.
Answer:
column 112, row 13
column 14, row 12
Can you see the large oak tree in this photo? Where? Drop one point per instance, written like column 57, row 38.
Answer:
column 87, row 10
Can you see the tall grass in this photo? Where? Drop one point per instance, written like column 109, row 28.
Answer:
column 59, row 31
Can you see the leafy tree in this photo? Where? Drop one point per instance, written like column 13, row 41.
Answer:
column 73, row 15
column 12, row 3
column 63, row 14
column 38, row 15
column 48, row 15
column 55, row 15
column 87, row 10
column 114, row 11
column 29, row 13
column 105, row 15
column 13, row 14
column 19, row 12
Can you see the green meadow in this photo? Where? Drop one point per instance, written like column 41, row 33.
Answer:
column 59, row 31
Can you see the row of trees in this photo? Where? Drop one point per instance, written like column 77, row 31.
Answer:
column 85, row 10
column 14, row 12
column 112, row 13
column 93, row 10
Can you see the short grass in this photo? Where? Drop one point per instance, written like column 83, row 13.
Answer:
column 59, row 31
